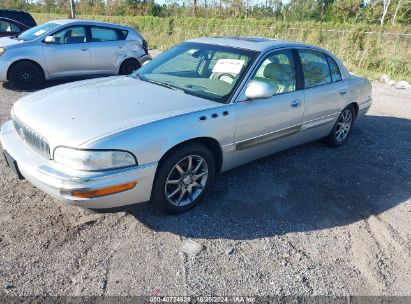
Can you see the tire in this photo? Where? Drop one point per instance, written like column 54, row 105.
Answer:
column 172, row 186
column 129, row 66
column 342, row 128
column 26, row 75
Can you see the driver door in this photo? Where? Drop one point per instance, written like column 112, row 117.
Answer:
column 264, row 126
column 69, row 55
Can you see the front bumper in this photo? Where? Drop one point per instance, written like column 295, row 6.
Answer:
column 57, row 180
column 4, row 66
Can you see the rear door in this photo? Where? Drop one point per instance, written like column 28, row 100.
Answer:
column 70, row 54
column 325, row 92
column 107, row 50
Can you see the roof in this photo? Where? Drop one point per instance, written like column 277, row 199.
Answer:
column 251, row 43
column 11, row 10
column 87, row 22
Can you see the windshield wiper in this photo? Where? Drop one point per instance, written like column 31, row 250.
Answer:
column 163, row 84
column 135, row 75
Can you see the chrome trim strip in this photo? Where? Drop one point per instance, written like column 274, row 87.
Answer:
column 54, row 173
column 318, row 121
column 261, row 139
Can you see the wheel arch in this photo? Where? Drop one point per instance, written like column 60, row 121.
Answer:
column 28, row 60
column 211, row 143
column 356, row 107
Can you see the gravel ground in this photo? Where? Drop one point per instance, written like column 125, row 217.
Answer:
column 308, row 221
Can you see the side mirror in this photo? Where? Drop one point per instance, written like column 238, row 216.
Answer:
column 258, row 90
column 50, row 39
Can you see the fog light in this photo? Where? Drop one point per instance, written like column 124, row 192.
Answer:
column 103, row 191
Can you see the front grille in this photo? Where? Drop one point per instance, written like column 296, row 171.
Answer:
column 32, row 138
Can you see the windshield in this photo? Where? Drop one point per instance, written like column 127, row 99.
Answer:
column 37, row 31
column 207, row 71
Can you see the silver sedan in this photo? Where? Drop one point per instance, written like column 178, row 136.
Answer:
column 71, row 48
column 163, row 133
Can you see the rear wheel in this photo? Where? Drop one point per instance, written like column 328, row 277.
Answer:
column 342, row 128
column 129, row 66
column 183, row 178
column 25, row 74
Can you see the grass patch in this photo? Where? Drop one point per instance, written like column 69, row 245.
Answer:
column 361, row 47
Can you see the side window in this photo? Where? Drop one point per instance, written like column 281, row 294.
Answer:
column 335, row 70
column 70, row 35
column 278, row 71
column 100, row 34
column 123, row 34
column 315, row 68
column 8, row 27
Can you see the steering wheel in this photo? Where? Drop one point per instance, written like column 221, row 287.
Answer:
column 226, row 75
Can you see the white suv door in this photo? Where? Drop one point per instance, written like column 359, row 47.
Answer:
column 69, row 55
column 107, row 50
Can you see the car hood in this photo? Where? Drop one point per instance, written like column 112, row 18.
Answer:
column 6, row 41
column 78, row 112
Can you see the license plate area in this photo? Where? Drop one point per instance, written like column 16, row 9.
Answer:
column 12, row 164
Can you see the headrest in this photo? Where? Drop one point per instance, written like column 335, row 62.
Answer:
column 277, row 71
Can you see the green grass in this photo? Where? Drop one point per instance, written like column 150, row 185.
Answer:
column 365, row 53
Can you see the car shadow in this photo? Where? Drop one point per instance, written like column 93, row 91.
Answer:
column 303, row 189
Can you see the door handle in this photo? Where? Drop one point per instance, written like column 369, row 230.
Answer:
column 296, row 103
column 84, row 49
column 343, row 92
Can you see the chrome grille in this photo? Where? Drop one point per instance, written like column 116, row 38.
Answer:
column 32, row 138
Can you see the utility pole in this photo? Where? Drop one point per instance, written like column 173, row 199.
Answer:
column 73, row 9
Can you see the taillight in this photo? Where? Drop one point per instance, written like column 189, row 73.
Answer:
column 145, row 46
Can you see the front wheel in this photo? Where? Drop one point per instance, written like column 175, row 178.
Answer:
column 342, row 128
column 183, row 178
column 25, row 75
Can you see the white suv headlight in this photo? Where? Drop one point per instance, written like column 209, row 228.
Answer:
column 93, row 160
column 2, row 50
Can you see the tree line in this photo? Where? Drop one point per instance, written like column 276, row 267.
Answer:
column 339, row 11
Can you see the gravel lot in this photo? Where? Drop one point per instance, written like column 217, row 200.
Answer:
column 308, row 221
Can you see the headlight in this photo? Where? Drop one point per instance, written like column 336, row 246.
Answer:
column 93, row 160
column 2, row 50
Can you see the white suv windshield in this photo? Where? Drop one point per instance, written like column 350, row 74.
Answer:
column 37, row 31
column 204, row 70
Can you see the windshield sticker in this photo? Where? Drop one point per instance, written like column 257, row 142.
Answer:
column 228, row 66
column 40, row 32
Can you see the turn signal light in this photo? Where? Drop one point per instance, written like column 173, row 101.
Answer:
column 104, row 191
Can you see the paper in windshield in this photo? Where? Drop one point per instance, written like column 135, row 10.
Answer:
column 232, row 66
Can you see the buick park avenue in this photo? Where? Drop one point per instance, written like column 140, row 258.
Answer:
column 162, row 133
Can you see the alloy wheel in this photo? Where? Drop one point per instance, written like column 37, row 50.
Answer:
column 344, row 125
column 186, row 180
